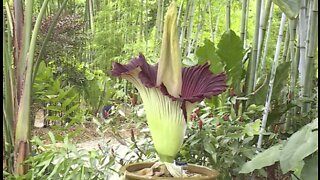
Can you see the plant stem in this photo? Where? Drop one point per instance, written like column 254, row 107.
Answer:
column 272, row 76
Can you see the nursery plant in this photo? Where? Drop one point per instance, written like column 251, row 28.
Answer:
column 169, row 91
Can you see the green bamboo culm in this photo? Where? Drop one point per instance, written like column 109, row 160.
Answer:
column 311, row 48
column 294, row 67
column 271, row 81
column 262, row 32
column 286, row 46
column 250, row 81
column 265, row 50
column 243, row 20
column 228, row 14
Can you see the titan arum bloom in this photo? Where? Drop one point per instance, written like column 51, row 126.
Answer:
column 168, row 91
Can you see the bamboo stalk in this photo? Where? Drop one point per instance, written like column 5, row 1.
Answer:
column 161, row 17
column 158, row 21
column 190, row 28
column 263, row 27
column 179, row 12
column 272, row 76
column 91, row 17
column 243, row 20
column 253, row 59
column 199, row 27
column 216, row 25
column 262, row 17
column 141, row 18
column 228, row 14
column 146, row 27
column 266, row 45
column 286, row 46
column 302, row 38
column 311, row 48
column 246, row 26
column 193, row 42
column 292, row 32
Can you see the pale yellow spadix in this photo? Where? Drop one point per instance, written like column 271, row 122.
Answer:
column 169, row 69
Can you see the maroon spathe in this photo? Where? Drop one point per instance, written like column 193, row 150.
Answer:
column 198, row 82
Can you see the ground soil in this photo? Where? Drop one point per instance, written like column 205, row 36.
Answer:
column 85, row 135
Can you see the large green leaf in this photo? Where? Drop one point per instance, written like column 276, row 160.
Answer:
column 310, row 169
column 263, row 159
column 300, row 145
column 289, row 7
column 231, row 53
column 278, row 111
column 206, row 53
column 281, row 77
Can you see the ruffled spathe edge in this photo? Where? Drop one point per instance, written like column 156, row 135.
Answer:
column 198, row 82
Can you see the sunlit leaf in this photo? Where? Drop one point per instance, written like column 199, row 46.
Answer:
column 252, row 128
column 310, row 169
column 52, row 138
column 289, row 7
column 263, row 159
column 207, row 53
column 231, row 53
column 281, row 77
column 300, row 145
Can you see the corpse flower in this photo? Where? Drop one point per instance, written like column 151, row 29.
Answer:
column 168, row 91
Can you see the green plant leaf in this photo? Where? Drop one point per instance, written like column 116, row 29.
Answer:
column 63, row 93
column 252, row 128
column 54, row 108
column 231, row 53
column 68, row 102
column 281, row 77
column 300, row 145
column 72, row 109
column 207, row 52
column 263, row 159
column 280, row 80
column 289, row 7
column 52, row 138
column 310, row 169
column 54, row 118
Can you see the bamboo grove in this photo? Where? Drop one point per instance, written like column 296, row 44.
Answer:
column 271, row 32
